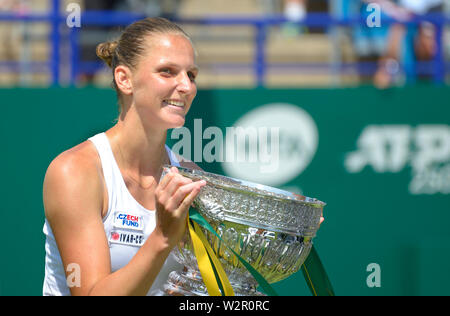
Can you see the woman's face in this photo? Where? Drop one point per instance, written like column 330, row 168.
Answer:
column 164, row 81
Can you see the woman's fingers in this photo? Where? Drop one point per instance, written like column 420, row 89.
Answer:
column 168, row 178
column 186, row 203
column 172, row 204
column 321, row 220
column 165, row 181
column 185, row 195
column 174, row 188
column 176, row 182
column 166, row 189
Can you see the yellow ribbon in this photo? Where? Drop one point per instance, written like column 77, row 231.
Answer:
column 208, row 263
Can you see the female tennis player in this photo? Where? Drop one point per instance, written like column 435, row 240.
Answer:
column 110, row 222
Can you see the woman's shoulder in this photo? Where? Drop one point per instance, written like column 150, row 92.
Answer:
column 80, row 160
column 75, row 174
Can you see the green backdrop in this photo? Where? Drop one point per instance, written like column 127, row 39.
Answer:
column 382, row 165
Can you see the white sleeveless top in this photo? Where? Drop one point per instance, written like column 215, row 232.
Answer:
column 127, row 225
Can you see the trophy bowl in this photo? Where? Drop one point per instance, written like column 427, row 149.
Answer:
column 271, row 229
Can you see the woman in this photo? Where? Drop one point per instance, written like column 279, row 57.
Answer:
column 110, row 222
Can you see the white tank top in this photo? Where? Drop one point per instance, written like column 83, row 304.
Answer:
column 127, row 225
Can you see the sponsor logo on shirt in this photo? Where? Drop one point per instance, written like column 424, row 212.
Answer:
column 129, row 221
column 126, row 238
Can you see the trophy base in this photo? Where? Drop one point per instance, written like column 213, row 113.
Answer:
column 190, row 283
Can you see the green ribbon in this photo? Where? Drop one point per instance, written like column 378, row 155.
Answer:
column 315, row 275
column 199, row 219
column 313, row 270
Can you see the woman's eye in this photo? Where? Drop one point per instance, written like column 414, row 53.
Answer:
column 166, row 71
column 191, row 76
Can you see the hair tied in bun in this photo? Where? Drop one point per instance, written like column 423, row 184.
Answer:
column 106, row 51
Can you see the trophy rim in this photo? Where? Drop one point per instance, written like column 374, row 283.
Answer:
column 245, row 186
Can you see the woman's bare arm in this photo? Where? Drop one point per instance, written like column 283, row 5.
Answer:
column 73, row 200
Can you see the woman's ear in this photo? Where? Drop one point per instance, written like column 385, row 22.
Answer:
column 122, row 76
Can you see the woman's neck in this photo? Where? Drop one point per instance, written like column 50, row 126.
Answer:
column 139, row 152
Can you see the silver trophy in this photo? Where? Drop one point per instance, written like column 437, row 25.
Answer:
column 270, row 228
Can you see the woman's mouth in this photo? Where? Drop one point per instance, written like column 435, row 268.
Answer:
column 174, row 103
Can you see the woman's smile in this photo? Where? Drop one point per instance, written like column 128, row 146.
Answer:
column 175, row 104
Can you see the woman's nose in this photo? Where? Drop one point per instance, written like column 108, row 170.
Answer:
column 185, row 83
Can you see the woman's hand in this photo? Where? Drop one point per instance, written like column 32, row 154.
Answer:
column 174, row 195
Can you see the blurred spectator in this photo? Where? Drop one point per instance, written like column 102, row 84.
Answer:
column 406, row 45
column 421, row 40
column 372, row 43
column 295, row 10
